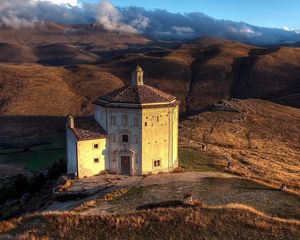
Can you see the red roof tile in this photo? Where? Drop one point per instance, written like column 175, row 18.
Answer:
column 137, row 94
column 88, row 129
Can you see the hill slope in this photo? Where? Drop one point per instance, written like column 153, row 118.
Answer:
column 34, row 99
column 260, row 139
column 229, row 222
column 199, row 73
column 16, row 53
column 53, row 33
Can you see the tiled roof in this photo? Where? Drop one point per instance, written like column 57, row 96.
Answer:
column 136, row 106
column 88, row 129
column 138, row 94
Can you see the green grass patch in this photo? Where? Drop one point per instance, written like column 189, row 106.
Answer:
column 35, row 161
column 39, row 157
column 56, row 141
column 192, row 160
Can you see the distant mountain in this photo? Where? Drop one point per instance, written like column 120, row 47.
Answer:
column 200, row 72
column 53, row 33
column 155, row 24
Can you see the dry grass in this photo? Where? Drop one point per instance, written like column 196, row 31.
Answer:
column 262, row 141
column 194, row 222
column 67, row 185
column 95, row 202
column 34, row 99
column 7, row 226
column 198, row 73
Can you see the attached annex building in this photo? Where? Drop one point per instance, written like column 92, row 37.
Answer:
column 134, row 132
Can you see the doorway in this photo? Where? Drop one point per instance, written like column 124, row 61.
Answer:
column 125, row 165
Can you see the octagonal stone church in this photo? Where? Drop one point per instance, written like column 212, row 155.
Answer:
column 134, row 132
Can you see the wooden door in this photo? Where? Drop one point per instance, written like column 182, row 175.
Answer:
column 125, row 165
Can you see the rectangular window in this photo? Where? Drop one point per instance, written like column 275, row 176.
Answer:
column 113, row 120
column 136, row 122
column 157, row 118
column 125, row 138
column 124, row 120
column 136, row 139
column 96, row 160
column 156, row 163
column 96, row 146
column 146, row 124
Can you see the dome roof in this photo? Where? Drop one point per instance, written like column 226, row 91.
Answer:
column 138, row 94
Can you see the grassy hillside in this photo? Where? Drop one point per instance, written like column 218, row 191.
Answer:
column 199, row 73
column 261, row 139
column 34, row 99
column 224, row 222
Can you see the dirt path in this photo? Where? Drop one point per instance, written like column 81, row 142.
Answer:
column 130, row 181
column 211, row 191
column 121, row 181
column 211, row 188
column 162, row 179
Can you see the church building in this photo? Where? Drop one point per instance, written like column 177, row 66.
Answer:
column 134, row 132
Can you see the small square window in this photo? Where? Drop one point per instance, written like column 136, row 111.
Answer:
column 96, row 160
column 156, row 163
column 125, row 138
column 96, row 145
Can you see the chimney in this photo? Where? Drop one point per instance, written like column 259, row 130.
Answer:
column 137, row 77
column 71, row 121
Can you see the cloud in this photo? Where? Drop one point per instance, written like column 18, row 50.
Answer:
column 29, row 13
column 67, row 2
column 155, row 24
column 111, row 18
column 15, row 22
column 181, row 30
column 291, row 30
column 140, row 23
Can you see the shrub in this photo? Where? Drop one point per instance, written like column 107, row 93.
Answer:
column 19, row 186
column 37, row 182
column 57, row 168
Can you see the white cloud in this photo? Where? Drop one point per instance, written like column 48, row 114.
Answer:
column 159, row 24
column 249, row 31
column 59, row 2
column 182, row 30
column 111, row 19
column 140, row 23
column 15, row 22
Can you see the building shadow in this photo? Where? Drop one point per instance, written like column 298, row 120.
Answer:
column 26, row 131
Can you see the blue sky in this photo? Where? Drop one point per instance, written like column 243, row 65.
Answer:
column 266, row 13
